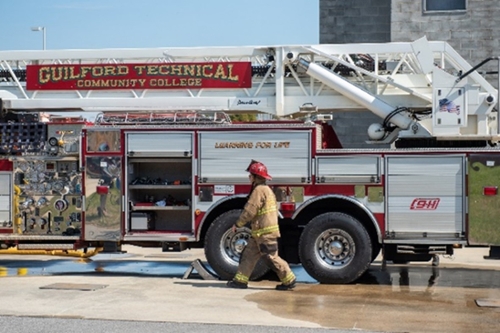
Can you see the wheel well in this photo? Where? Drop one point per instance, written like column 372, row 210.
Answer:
column 342, row 205
column 235, row 203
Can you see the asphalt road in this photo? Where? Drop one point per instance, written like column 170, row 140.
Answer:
column 59, row 325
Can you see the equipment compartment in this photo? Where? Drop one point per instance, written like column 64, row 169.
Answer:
column 161, row 187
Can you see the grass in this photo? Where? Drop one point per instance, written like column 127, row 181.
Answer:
column 484, row 224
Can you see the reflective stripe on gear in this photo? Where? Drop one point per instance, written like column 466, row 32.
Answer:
column 288, row 278
column 241, row 278
column 269, row 208
column 266, row 230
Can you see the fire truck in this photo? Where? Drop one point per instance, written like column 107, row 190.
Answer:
column 162, row 165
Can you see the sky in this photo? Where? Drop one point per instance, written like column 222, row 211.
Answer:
column 84, row 24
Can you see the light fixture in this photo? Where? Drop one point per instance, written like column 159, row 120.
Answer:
column 44, row 30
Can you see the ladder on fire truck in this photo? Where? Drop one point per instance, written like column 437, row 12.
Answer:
column 163, row 118
column 415, row 88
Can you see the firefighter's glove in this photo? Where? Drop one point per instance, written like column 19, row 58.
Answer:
column 239, row 224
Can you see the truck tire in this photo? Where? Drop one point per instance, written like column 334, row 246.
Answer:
column 223, row 247
column 335, row 248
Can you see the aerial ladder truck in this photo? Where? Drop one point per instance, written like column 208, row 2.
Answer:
column 162, row 165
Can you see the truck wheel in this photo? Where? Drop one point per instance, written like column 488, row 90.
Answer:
column 335, row 248
column 223, row 247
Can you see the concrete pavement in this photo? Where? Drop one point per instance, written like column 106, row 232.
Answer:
column 162, row 297
column 133, row 297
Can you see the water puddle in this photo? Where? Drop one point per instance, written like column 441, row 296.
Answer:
column 402, row 298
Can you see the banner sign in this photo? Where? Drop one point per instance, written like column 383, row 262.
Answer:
column 140, row 76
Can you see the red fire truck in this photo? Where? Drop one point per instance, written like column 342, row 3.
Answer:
column 163, row 166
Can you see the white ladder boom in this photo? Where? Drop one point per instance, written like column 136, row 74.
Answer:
column 393, row 74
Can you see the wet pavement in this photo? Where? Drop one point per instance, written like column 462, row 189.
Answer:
column 416, row 297
column 174, row 265
column 100, row 264
column 399, row 299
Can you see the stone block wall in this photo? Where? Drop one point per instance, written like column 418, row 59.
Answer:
column 474, row 34
column 354, row 21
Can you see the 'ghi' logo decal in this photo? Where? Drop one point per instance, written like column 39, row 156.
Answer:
column 425, row 204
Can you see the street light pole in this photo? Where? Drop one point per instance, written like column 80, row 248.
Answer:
column 44, row 31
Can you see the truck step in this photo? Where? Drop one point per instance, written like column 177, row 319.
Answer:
column 45, row 246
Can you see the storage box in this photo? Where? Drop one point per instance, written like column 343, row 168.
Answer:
column 139, row 221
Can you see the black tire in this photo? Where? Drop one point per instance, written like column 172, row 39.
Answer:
column 335, row 248
column 223, row 247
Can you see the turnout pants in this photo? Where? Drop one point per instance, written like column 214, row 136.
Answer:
column 265, row 247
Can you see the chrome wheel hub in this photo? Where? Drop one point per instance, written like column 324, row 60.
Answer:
column 335, row 248
column 233, row 244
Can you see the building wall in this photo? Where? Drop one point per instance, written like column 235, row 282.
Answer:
column 354, row 21
column 475, row 34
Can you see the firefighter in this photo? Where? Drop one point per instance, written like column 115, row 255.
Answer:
column 262, row 213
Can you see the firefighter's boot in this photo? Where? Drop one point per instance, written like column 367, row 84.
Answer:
column 236, row 285
column 435, row 260
column 285, row 287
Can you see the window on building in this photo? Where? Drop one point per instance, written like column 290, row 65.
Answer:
column 444, row 5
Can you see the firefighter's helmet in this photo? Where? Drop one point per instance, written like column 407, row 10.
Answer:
column 259, row 169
